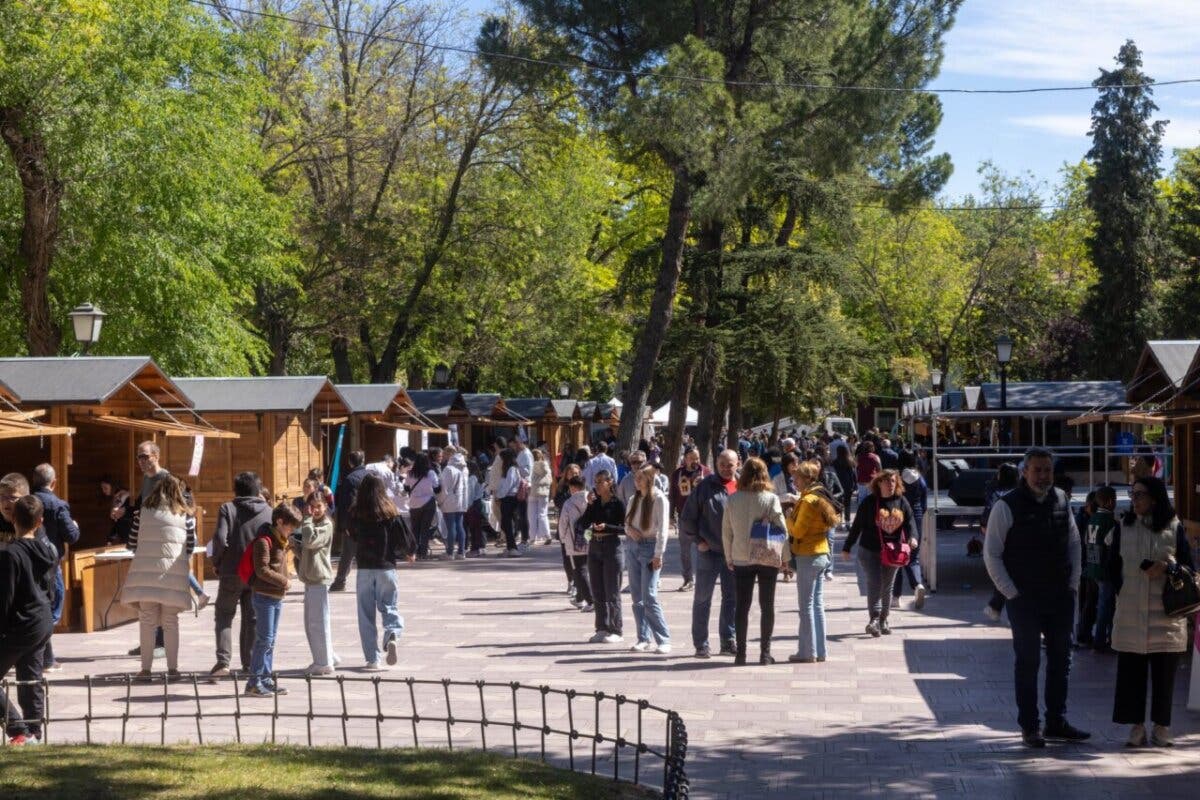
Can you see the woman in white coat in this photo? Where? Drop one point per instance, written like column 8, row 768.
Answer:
column 157, row 582
column 1148, row 642
column 537, row 505
column 453, row 500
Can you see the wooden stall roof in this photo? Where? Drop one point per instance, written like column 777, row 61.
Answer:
column 492, row 409
column 1057, row 396
column 438, row 402
column 13, row 428
column 1162, row 370
column 537, row 409
column 607, row 412
column 87, row 380
column 386, row 404
column 264, row 395
column 567, row 410
column 94, row 381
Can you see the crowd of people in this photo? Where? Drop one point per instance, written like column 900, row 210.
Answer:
column 763, row 516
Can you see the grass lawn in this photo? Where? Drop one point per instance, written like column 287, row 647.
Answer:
column 286, row 773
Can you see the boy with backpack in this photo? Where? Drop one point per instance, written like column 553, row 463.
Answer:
column 264, row 569
column 26, row 562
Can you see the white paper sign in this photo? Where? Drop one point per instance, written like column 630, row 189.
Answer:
column 197, row 456
column 454, row 434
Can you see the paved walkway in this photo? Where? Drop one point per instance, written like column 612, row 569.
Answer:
column 927, row 711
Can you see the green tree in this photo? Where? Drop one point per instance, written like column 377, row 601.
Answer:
column 125, row 133
column 1127, row 242
column 1182, row 297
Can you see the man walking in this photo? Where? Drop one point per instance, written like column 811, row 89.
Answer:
column 61, row 530
column 1032, row 552
column 347, row 493
column 238, row 522
column 701, row 522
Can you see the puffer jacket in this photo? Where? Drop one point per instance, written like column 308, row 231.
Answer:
column 455, row 495
column 810, row 521
column 159, row 571
column 540, row 479
column 1140, row 625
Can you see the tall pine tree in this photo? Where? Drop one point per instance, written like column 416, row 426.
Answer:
column 1127, row 241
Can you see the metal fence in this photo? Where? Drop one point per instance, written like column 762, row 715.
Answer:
column 579, row 730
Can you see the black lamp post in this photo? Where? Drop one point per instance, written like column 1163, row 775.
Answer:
column 1004, row 346
column 564, row 389
column 87, row 320
column 441, row 376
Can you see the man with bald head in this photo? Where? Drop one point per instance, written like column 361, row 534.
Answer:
column 700, row 521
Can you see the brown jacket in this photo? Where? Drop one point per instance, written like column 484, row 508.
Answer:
column 270, row 568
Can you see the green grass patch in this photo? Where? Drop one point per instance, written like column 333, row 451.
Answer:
column 268, row 772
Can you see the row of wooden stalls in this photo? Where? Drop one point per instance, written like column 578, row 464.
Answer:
column 85, row 416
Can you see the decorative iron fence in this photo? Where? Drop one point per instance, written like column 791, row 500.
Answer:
column 567, row 727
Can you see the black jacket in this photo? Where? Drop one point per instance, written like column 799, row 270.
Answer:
column 347, row 493
column 24, row 594
column 611, row 514
column 238, row 522
column 865, row 530
column 61, row 530
column 380, row 544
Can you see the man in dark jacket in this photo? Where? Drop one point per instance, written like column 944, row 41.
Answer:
column 25, row 585
column 701, row 521
column 238, row 521
column 1033, row 555
column 61, row 530
column 347, row 493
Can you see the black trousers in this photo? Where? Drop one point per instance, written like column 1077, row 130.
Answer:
column 579, row 574
column 744, row 580
column 424, row 522
column 1129, row 704
column 344, row 560
column 568, row 566
column 606, row 561
column 1089, row 597
column 508, row 520
column 26, row 656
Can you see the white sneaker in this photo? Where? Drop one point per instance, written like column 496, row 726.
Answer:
column 577, row 603
column 919, row 597
column 640, row 647
column 598, row 637
column 373, row 666
column 337, row 660
column 613, row 638
column 317, row 671
column 588, row 608
column 392, row 656
column 991, row 613
column 663, row 649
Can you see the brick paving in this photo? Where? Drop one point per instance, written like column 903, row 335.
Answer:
column 925, row 712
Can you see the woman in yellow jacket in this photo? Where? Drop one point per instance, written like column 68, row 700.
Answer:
column 814, row 513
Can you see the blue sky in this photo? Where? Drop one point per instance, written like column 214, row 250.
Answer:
column 1006, row 44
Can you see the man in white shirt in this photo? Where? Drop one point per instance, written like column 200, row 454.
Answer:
column 600, row 461
column 385, row 468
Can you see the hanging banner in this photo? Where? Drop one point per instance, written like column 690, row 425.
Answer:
column 197, row 457
column 454, row 434
column 335, row 470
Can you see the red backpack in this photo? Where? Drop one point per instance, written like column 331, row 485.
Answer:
column 245, row 569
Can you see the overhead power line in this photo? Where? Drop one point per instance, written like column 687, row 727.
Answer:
column 697, row 79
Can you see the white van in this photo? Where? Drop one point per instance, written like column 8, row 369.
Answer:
column 843, row 425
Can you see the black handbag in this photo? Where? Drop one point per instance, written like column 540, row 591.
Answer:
column 1181, row 592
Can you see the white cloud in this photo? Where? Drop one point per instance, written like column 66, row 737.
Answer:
column 1068, row 40
column 1181, row 132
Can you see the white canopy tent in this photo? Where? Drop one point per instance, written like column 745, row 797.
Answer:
column 662, row 415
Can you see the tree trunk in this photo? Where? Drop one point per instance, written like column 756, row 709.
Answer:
column 654, row 331
column 708, row 374
column 273, row 308
column 42, row 194
column 340, row 349
column 720, row 409
column 680, row 397
column 735, row 413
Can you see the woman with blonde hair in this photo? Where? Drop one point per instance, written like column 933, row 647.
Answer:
column 884, row 519
column 537, row 505
column 157, row 582
column 813, row 514
column 752, row 536
column 647, row 523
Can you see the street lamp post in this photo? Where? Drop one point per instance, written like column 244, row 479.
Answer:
column 1004, row 346
column 564, row 389
column 906, row 390
column 87, row 320
column 441, row 376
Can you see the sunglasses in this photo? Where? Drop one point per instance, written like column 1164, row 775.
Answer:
column 144, row 456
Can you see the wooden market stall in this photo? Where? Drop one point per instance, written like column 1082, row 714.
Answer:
column 281, row 422
column 112, row 404
column 445, row 409
column 544, row 426
column 570, row 421
column 378, row 411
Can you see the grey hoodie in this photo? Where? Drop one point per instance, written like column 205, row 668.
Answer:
column 237, row 523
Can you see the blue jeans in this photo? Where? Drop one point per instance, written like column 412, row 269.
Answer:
column 1032, row 618
column 710, row 567
column 810, row 590
column 829, row 540
column 56, row 600
column 266, row 624
column 456, row 532
column 316, row 623
column 377, row 590
column 648, row 619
